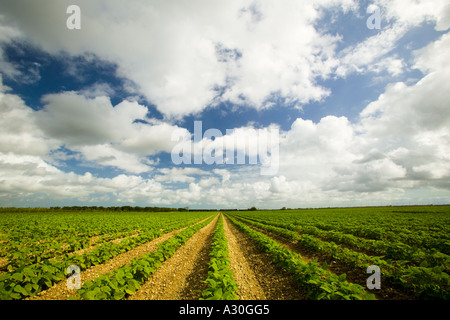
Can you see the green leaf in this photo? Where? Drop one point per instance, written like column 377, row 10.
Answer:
column 18, row 276
column 18, row 288
column 324, row 288
column 28, row 288
column 89, row 295
column 218, row 294
column 211, row 282
column 29, row 272
column 48, row 283
column 15, row 296
column 119, row 295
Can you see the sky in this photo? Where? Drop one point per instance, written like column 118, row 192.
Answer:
column 224, row 104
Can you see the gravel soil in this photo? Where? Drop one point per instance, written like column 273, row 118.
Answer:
column 60, row 291
column 354, row 275
column 257, row 277
column 181, row 277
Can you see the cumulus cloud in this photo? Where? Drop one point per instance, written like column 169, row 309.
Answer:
column 411, row 123
column 19, row 132
column 400, row 141
column 414, row 13
column 399, row 16
column 119, row 136
column 184, row 175
column 185, row 57
column 202, row 53
column 195, row 54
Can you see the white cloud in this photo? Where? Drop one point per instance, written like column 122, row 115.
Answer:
column 371, row 53
column 19, row 132
column 105, row 134
column 81, row 121
column 418, row 11
column 8, row 33
column 399, row 16
column 170, row 49
column 179, row 174
column 107, row 155
column 400, row 143
column 180, row 55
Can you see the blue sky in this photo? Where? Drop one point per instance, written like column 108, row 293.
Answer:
column 89, row 115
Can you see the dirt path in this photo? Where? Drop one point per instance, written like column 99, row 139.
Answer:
column 257, row 277
column 60, row 291
column 181, row 277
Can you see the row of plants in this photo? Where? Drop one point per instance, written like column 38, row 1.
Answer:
column 221, row 285
column 424, row 227
column 388, row 249
column 51, row 235
column 28, row 280
column 26, row 255
column 422, row 282
column 427, row 239
column 126, row 280
column 318, row 282
column 104, row 227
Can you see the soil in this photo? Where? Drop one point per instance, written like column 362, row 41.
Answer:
column 181, row 277
column 257, row 277
column 353, row 275
column 60, row 291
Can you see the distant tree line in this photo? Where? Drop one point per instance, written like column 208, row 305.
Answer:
column 95, row 208
column 121, row 208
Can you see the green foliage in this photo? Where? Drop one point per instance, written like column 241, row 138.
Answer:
column 30, row 235
column 126, row 280
column 221, row 285
column 319, row 283
column 409, row 246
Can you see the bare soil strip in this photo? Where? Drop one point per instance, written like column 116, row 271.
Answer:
column 91, row 248
column 257, row 277
column 181, row 277
column 60, row 291
column 3, row 263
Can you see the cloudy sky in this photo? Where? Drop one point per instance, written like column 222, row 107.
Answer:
column 100, row 115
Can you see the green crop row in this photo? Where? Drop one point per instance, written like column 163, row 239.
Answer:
column 389, row 249
column 427, row 283
column 51, row 235
column 221, row 285
column 29, row 280
column 126, row 280
column 421, row 227
column 318, row 282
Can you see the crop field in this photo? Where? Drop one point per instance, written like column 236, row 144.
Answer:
column 382, row 253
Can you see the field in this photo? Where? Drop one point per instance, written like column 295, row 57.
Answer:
column 309, row 254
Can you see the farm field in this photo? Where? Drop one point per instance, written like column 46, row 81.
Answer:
column 308, row 254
